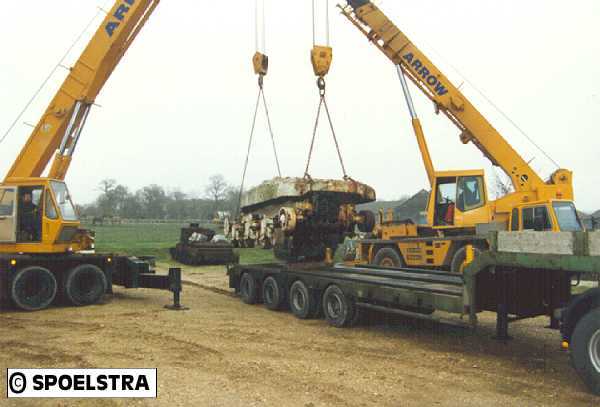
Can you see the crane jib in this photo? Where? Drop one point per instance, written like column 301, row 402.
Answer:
column 421, row 71
column 119, row 16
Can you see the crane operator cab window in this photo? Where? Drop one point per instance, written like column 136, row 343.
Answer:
column 29, row 210
column 457, row 193
column 63, row 200
column 445, row 202
column 470, row 193
column 8, row 205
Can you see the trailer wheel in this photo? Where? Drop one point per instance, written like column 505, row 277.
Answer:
column 339, row 310
column 85, row 285
column 248, row 291
column 585, row 349
column 388, row 257
column 302, row 304
column 273, row 294
column 458, row 260
column 33, row 288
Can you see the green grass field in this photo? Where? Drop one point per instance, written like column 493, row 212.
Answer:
column 155, row 240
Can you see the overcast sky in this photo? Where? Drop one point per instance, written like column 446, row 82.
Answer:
column 179, row 106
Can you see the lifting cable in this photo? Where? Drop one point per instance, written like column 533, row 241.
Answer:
column 261, row 65
column 321, row 58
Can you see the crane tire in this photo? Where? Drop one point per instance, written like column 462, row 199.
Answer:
column 456, row 266
column 388, row 257
column 33, row 288
column 85, row 284
column 585, row 349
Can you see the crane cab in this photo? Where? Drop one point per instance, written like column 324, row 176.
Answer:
column 458, row 198
column 37, row 215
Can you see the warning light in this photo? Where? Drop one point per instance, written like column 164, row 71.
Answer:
column 109, row 260
column 13, row 262
column 565, row 345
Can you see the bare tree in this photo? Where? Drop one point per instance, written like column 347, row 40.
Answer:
column 502, row 185
column 107, row 185
column 216, row 189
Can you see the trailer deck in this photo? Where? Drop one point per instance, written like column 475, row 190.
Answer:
column 523, row 275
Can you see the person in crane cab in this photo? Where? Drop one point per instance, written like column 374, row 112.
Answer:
column 29, row 219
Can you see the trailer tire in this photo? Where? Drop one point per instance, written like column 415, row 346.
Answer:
column 33, row 288
column 248, row 290
column 85, row 285
column 273, row 294
column 585, row 349
column 302, row 304
column 388, row 257
column 338, row 309
column 456, row 266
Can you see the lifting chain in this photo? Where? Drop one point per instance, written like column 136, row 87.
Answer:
column 323, row 103
column 261, row 97
column 260, row 62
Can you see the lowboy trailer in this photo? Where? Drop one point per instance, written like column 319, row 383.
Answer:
column 523, row 275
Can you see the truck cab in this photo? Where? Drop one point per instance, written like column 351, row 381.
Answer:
column 549, row 216
column 37, row 215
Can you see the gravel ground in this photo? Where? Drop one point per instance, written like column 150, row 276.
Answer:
column 224, row 353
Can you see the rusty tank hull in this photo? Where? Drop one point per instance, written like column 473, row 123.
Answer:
column 309, row 215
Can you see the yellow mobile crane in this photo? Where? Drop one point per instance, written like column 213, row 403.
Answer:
column 41, row 242
column 459, row 212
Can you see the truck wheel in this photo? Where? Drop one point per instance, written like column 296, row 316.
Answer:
column 302, row 304
column 585, row 349
column 85, row 285
column 338, row 309
column 368, row 223
column 33, row 288
column 273, row 294
column 388, row 257
column 458, row 261
column 248, row 291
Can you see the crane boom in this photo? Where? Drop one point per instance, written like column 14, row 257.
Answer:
column 475, row 128
column 59, row 128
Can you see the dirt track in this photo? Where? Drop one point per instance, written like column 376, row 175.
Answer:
column 222, row 353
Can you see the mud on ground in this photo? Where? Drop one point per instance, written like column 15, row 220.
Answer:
column 224, row 353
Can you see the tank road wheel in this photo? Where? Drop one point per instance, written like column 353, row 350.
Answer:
column 458, row 261
column 273, row 294
column 302, row 304
column 85, row 285
column 585, row 349
column 33, row 288
column 388, row 257
column 248, row 291
column 339, row 310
